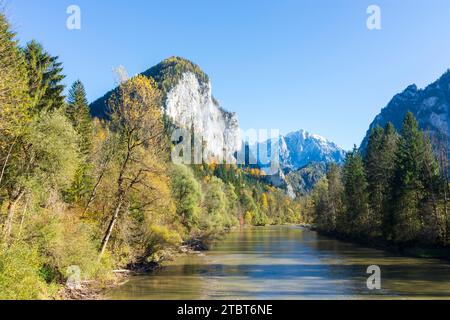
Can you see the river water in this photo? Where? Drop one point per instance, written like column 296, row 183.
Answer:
column 288, row 262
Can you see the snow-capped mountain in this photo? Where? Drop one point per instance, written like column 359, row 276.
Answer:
column 299, row 149
column 302, row 148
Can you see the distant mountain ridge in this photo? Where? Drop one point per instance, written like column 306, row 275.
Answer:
column 304, row 159
column 301, row 148
column 430, row 106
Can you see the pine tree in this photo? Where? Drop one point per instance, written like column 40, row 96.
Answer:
column 321, row 202
column 77, row 111
column 433, row 217
column 375, row 174
column 355, row 195
column 408, row 188
column 45, row 76
column 387, row 163
column 335, row 193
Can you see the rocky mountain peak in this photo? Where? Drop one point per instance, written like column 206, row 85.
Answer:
column 189, row 104
column 430, row 106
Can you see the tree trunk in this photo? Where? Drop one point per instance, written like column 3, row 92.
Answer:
column 110, row 229
column 22, row 220
column 10, row 216
column 5, row 164
column 93, row 193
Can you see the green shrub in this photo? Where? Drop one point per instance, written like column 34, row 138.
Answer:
column 63, row 241
column 20, row 274
column 160, row 240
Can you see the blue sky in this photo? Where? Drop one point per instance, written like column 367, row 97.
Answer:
column 284, row 64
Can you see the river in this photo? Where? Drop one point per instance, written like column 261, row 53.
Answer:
column 288, row 262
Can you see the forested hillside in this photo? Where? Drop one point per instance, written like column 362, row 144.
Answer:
column 102, row 194
column 395, row 194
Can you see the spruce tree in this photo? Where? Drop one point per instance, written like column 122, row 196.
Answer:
column 387, row 163
column 335, row 193
column 433, row 217
column 375, row 174
column 355, row 195
column 320, row 199
column 408, row 190
column 45, row 77
column 77, row 111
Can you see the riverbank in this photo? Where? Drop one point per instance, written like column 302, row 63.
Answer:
column 413, row 252
column 96, row 290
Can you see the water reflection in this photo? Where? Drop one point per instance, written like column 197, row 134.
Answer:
column 288, row 263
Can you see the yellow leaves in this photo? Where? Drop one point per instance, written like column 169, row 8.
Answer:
column 255, row 172
column 264, row 202
column 248, row 218
column 137, row 107
column 213, row 165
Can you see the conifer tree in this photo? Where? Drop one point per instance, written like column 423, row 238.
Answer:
column 375, row 174
column 77, row 111
column 45, row 76
column 355, row 195
column 387, row 163
column 433, row 218
column 335, row 193
column 408, row 190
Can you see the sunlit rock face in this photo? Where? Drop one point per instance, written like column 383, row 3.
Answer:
column 430, row 106
column 190, row 105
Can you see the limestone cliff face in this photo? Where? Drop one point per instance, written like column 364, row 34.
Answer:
column 190, row 104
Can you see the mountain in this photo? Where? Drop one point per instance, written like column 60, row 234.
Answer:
column 304, row 158
column 189, row 104
column 430, row 106
column 303, row 180
column 301, row 148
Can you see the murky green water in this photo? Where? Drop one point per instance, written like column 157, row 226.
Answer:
column 288, row 263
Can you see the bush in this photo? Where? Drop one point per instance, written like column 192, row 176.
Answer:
column 21, row 274
column 63, row 241
column 160, row 240
column 188, row 195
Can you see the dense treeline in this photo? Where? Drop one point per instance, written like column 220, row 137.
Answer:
column 76, row 191
column 395, row 193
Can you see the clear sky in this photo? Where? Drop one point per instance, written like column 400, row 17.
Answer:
column 282, row 64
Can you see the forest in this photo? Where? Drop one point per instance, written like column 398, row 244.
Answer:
column 102, row 194
column 393, row 193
